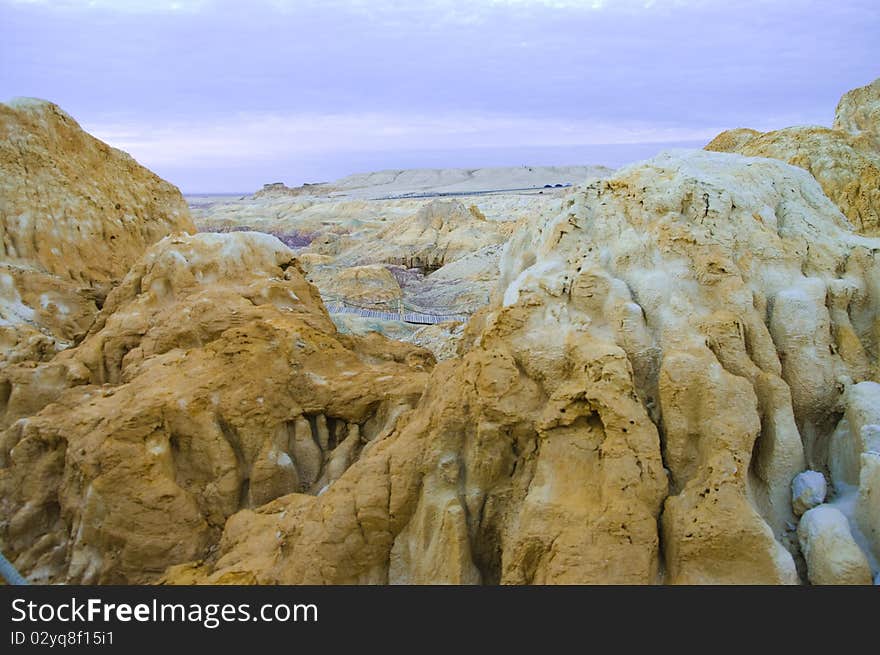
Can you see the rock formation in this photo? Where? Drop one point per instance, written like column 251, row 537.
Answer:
column 674, row 379
column 212, row 380
column 75, row 214
column 859, row 109
column 663, row 343
column 830, row 550
column 440, row 232
column 370, row 286
column 845, row 160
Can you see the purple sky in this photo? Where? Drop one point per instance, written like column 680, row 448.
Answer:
column 216, row 95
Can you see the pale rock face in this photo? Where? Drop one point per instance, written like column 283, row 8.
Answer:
column 440, row 232
column 855, row 458
column 75, row 214
column 40, row 313
column 867, row 512
column 847, row 167
column 808, row 489
column 441, row 339
column 732, row 346
column 372, row 286
column 857, row 433
column 225, row 386
column 831, row 553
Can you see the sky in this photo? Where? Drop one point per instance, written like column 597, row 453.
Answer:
column 224, row 96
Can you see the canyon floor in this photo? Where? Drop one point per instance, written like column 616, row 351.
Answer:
column 667, row 373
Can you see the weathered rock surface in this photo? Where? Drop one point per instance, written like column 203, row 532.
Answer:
column 213, row 380
column 511, row 470
column 859, row 109
column 75, row 214
column 440, row 232
column 849, row 175
column 372, row 286
column 808, row 489
column 657, row 358
column 830, row 550
column 854, row 460
column 690, row 294
column 845, row 160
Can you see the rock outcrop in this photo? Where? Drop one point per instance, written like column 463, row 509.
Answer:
column 845, row 160
column 678, row 337
column 213, row 380
column 75, row 214
column 854, row 461
column 372, row 286
column 859, row 109
column 440, row 232
column 849, row 175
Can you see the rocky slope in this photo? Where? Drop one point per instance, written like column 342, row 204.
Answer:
column 75, row 214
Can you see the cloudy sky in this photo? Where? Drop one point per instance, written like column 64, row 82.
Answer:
column 217, row 95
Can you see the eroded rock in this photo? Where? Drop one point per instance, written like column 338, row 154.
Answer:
column 213, row 380
column 808, row 489
column 75, row 214
column 830, row 550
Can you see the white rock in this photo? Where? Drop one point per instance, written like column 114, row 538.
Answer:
column 854, row 457
column 858, row 432
column 808, row 489
column 832, row 555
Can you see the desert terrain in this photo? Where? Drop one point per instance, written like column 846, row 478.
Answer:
column 667, row 373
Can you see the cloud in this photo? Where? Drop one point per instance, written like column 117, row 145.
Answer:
column 474, row 9
column 120, row 6
column 258, row 137
column 218, row 82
